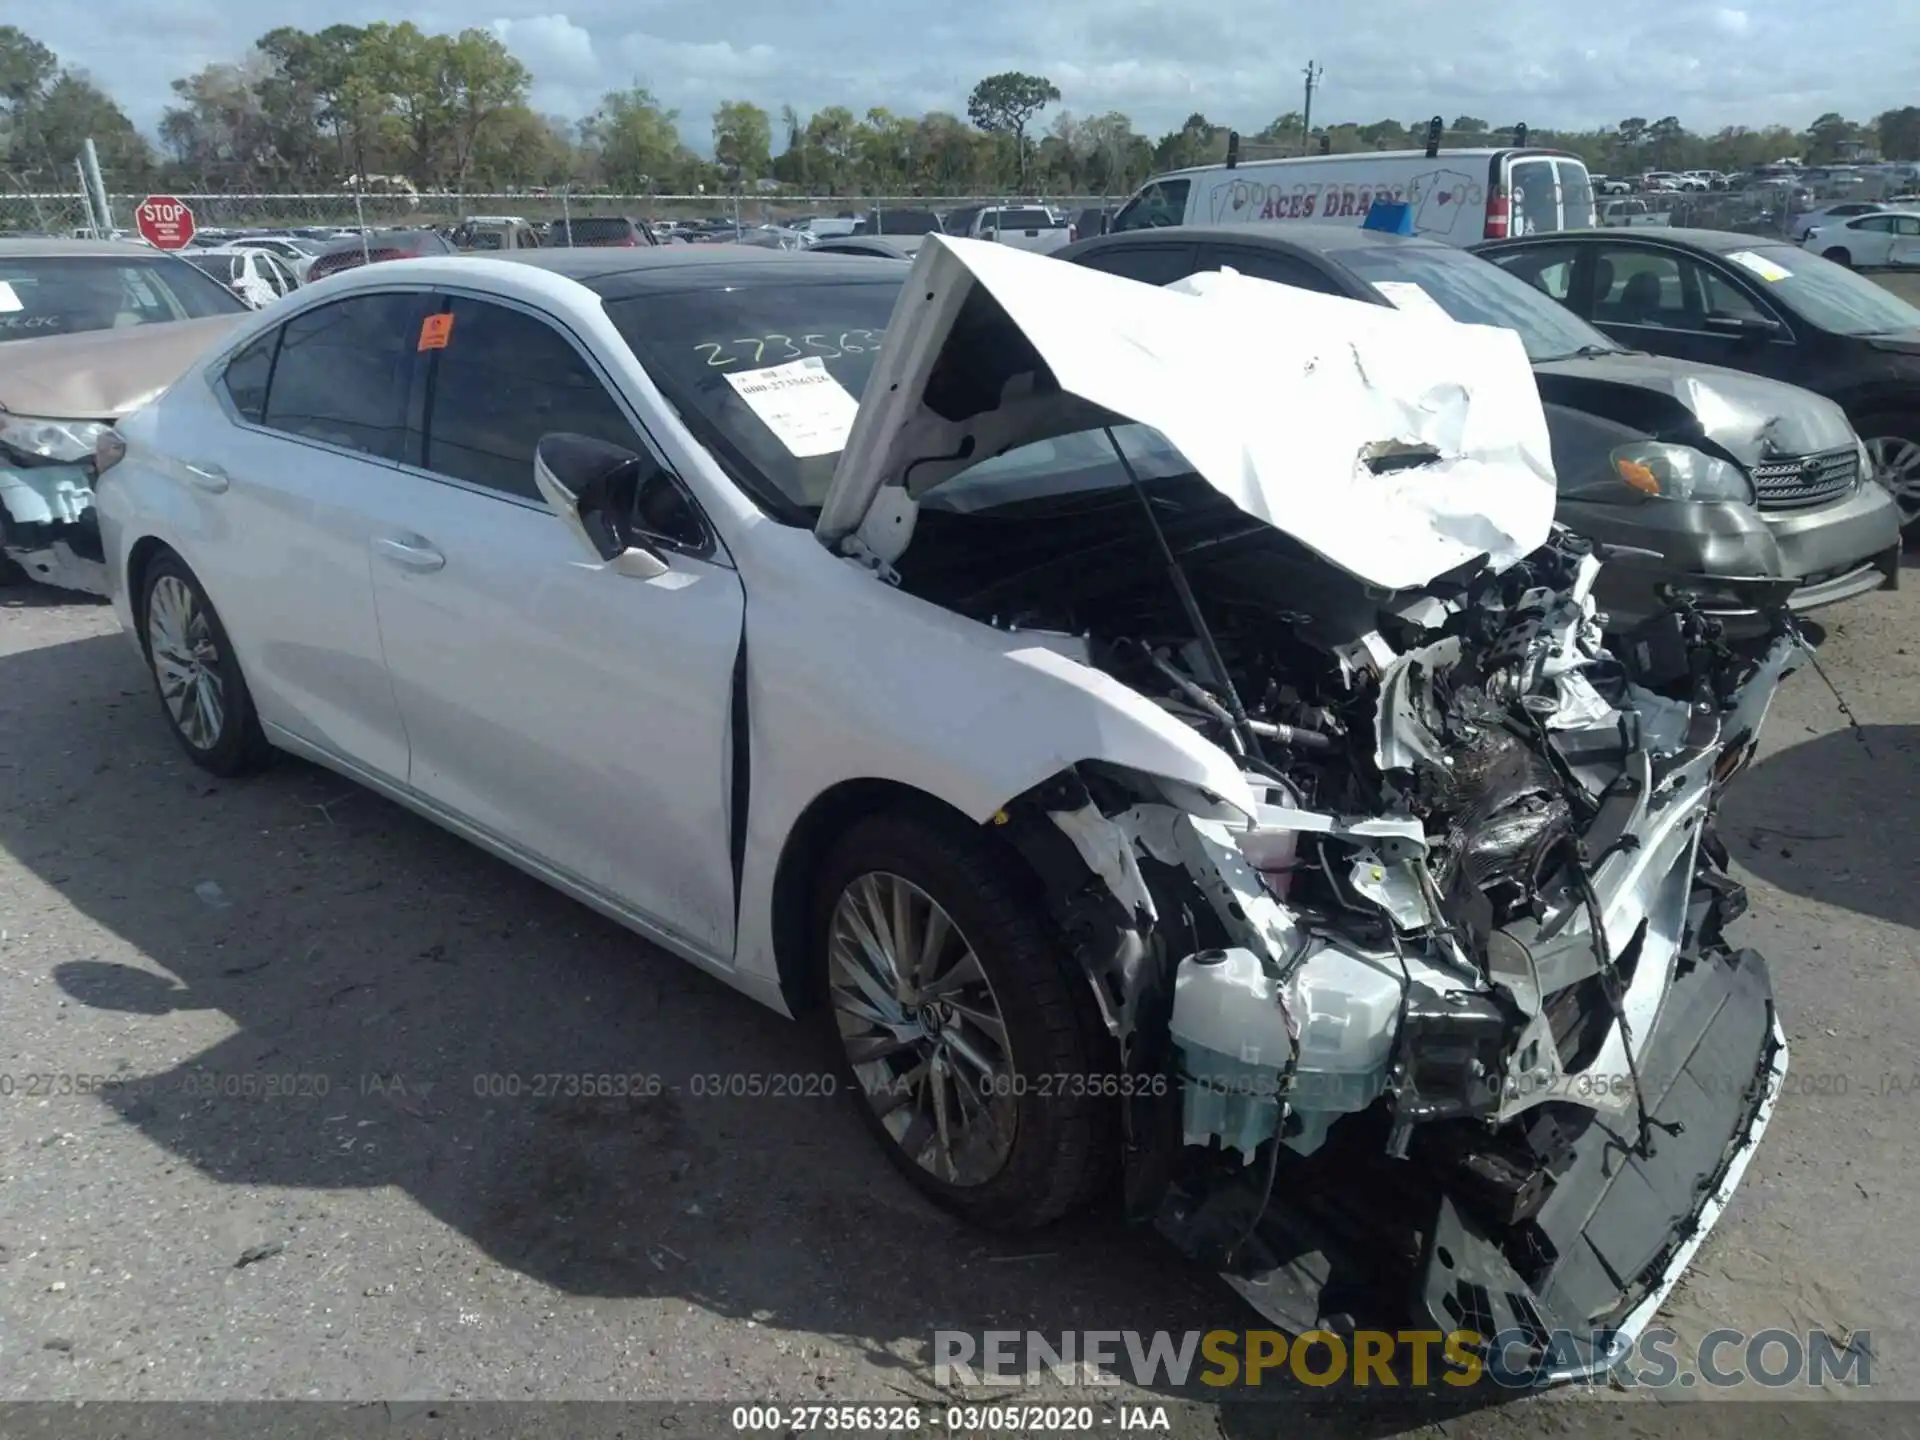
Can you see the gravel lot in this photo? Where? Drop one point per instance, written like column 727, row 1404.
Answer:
column 388, row 1230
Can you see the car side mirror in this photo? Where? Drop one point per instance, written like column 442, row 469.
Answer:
column 593, row 486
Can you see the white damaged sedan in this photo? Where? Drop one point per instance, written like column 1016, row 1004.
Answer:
column 1154, row 731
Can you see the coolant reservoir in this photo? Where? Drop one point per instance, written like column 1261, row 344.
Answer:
column 1234, row 1047
column 1348, row 1009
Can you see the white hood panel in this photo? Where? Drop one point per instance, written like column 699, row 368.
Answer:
column 1276, row 396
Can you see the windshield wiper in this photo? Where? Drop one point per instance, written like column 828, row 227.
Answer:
column 1587, row 352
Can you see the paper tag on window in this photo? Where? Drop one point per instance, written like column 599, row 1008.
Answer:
column 1760, row 265
column 435, row 331
column 9, row 302
column 808, row 410
column 1405, row 295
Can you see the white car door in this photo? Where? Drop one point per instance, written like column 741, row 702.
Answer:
column 320, row 408
column 1868, row 240
column 577, row 713
column 1905, row 249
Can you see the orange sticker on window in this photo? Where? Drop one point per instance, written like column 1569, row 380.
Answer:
column 435, row 331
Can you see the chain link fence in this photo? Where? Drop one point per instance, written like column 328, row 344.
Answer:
column 67, row 213
column 1767, row 210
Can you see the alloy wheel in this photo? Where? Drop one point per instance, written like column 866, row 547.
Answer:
column 1896, row 465
column 922, row 1029
column 186, row 662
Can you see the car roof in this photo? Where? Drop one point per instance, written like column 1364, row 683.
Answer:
column 47, row 246
column 614, row 274
column 1718, row 242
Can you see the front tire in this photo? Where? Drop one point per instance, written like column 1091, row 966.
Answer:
column 196, row 673
column 1893, row 444
column 969, row 1039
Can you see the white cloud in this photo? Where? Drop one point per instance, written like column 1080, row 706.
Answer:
column 552, row 47
column 1733, row 22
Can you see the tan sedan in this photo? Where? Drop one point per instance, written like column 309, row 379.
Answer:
column 90, row 330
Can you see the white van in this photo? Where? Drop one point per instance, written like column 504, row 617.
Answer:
column 1458, row 196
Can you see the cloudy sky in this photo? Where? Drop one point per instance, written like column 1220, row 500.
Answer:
column 1548, row 62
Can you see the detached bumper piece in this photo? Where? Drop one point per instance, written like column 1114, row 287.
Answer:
column 1572, row 1287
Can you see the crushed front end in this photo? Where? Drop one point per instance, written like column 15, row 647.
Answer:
column 47, row 524
column 1453, row 1030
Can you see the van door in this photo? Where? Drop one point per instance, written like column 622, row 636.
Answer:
column 1535, row 192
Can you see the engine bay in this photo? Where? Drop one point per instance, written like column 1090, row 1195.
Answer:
column 1433, row 972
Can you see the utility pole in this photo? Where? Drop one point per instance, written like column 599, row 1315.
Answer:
column 1313, row 73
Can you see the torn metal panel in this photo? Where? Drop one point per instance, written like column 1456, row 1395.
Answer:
column 47, row 525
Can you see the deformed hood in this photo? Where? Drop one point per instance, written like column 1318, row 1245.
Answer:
column 103, row 374
column 1396, row 445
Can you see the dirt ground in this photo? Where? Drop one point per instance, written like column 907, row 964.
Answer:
column 315, row 1189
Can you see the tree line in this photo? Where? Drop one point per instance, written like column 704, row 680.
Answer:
column 370, row 104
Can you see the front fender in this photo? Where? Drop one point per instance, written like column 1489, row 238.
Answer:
column 849, row 679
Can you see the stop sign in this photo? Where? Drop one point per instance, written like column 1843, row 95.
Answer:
column 164, row 222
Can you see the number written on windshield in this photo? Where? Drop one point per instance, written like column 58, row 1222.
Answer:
column 753, row 351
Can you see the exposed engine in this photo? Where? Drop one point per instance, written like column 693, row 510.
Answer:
column 1431, row 966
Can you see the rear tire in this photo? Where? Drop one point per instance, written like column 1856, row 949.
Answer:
column 196, row 673
column 1839, row 255
column 1026, row 1140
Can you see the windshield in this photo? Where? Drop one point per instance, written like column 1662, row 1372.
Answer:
column 1475, row 292
column 1050, row 474
column 698, row 344
column 1825, row 294
column 70, row 294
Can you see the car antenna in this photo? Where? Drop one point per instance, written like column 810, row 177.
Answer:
column 1202, row 632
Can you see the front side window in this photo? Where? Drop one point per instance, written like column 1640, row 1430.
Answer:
column 503, row 379
column 1638, row 287
column 1149, row 264
column 1163, row 203
column 344, row 371
column 72, row 294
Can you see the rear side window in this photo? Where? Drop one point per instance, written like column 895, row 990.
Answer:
column 1162, row 203
column 503, row 380
column 247, row 375
column 1272, row 265
column 343, row 373
column 1149, row 264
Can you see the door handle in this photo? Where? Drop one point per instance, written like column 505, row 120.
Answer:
column 207, row 476
column 412, row 553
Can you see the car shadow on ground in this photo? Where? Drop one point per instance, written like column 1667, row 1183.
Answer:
column 1832, row 819
column 409, row 1012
